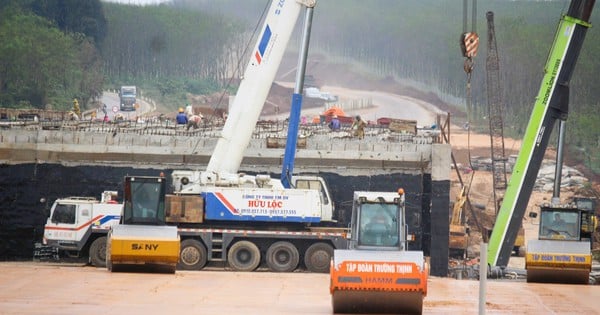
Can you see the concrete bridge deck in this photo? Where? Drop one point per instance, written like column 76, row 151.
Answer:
column 147, row 145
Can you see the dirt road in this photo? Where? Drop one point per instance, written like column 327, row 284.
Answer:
column 42, row 288
column 372, row 105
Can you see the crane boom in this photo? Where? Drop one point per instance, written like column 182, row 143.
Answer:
column 254, row 87
column 552, row 103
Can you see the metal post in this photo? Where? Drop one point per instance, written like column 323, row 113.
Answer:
column 559, row 163
column 296, row 107
column 483, row 268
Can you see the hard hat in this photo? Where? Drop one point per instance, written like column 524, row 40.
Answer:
column 180, row 110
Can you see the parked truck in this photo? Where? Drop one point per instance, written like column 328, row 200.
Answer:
column 128, row 98
column 78, row 226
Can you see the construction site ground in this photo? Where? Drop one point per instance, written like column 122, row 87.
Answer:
column 46, row 288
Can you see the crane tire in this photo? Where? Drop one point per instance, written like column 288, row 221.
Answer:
column 243, row 256
column 317, row 257
column 97, row 252
column 282, row 257
column 193, row 255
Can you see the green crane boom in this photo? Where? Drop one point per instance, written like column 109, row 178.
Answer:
column 552, row 103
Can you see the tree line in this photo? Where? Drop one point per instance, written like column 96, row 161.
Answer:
column 48, row 52
column 54, row 50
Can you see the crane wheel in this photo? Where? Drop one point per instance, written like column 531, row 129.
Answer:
column 318, row 257
column 97, row 252
column 193, row 255
column 282, row 257
column 243, row 256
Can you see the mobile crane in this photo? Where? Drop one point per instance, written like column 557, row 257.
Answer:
column 230, row 217
column 551, row 105
column 285, row 218
column 223, row 216
column 250, row 215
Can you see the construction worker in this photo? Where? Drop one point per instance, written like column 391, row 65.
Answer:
column 358, row 126
column 334, row 124
column 194, row 121
column 377, row 231
column 181, row 118
column 76, row 108
column 558, row 222
column 72, row 115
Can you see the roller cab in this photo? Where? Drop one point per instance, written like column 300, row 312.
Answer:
column 562, row 252
column 143, row 239
column 376, row 274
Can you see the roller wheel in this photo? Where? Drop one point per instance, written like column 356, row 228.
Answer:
column 282, row 257
column 243, row 256
column 318, row 257
column 98, row 252
column 193, row 255
column 111, row 267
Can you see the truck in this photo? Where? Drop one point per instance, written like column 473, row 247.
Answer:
column 77, row 226
column 128, row 98
column 551, row 105
column 377, row 273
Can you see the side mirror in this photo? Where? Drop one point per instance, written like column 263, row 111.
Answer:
column 46, row 209
column 533, row 215
column 349, row 234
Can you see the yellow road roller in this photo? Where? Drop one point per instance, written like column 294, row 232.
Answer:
column 142, row 239
column 562, row 252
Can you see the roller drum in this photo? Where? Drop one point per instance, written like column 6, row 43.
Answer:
column 373, row 302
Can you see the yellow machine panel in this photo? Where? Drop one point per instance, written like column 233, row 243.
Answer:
column 558, row 267
column 143, row 245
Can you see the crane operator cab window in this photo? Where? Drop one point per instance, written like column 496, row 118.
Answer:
column 314, row 185
column 559, row 225
column 378, row 225
column 64, row 213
